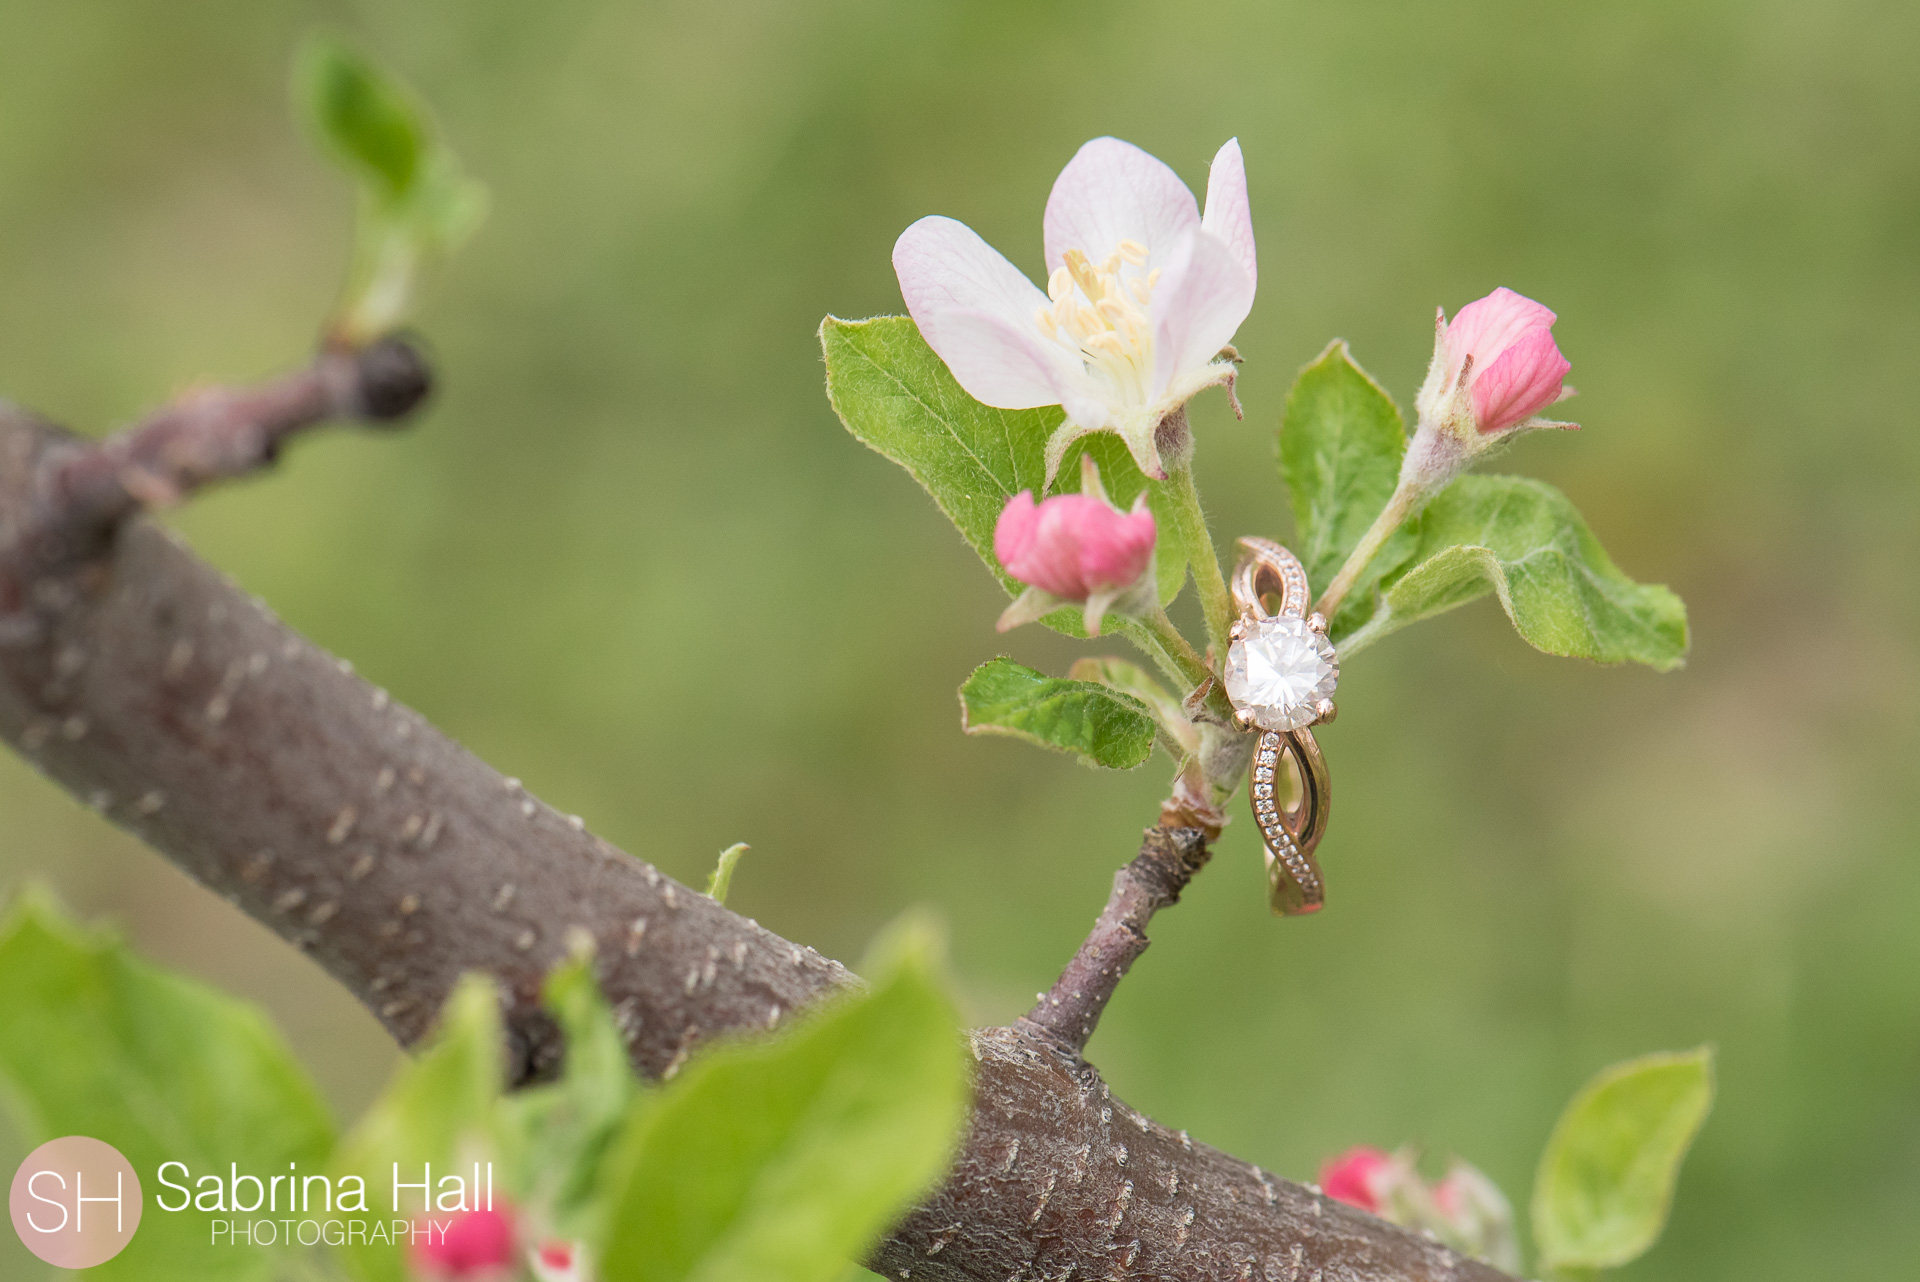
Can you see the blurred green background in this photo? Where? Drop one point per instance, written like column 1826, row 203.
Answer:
column 631, row 557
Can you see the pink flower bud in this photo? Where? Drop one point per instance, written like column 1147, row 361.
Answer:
column 559, row 1261
column 474, row 1245
column 1073, row 545
column 1354, row 1177
column 1501, row 349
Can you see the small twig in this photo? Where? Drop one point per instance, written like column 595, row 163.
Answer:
column 211, row 435
column 1168, row 859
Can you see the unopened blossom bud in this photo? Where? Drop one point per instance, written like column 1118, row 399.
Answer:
column 1495, row 367
column 1497, row 360
column 475, row 1246
column 559, row 1261
column 1358, row 1177
column 1466, row 1210
column 1075, row 549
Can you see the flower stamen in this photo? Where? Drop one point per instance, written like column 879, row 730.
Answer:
column 1101, row 312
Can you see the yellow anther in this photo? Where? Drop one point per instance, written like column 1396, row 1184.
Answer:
column 1141, row 291
column 1060, row 284
column 1133, row 251
column 1153, row 278
column 1112, row 265
column 1043, row 317
column 1083, row 273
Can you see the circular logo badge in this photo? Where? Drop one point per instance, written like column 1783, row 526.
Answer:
column 75, row 1202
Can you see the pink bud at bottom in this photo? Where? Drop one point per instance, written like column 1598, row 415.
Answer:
column 475, row 1245
column 1352, row 1177
column 1073, row 545
column 559, row 1261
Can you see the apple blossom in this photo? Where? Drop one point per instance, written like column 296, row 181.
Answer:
column 1143, row 295
column 1076, row 549
column 475, row 1246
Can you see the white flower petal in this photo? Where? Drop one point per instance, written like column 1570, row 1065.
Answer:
column 1202, row 297
column 1228, row 215
column 943, row 264
column 1112, row 191
column 1000, row 364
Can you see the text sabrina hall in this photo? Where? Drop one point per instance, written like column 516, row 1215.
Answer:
column 303, row 1195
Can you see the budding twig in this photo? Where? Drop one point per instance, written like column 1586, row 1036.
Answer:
column 1168, row 859
column 210, row 435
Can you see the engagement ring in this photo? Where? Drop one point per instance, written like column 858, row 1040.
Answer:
column 1280, row 675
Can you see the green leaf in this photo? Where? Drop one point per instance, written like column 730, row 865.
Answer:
column 94, row 1041
column 1606, row 1179
column 363, row 118
column 438, row 1109
column 788, row 1158
column 1340, row 446
column 1183, row 736
column 554, row 1138
column 897, row 397
column 1094, row 723
column 720, row 881
column 416, row 202
column 1523, row 541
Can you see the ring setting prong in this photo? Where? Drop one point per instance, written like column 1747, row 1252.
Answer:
column 1324, row 711
column 1318, row 622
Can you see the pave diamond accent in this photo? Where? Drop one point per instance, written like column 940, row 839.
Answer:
column 1281, row 847
column 1280, row 671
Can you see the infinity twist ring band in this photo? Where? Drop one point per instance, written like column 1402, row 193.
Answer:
column 1280, row 675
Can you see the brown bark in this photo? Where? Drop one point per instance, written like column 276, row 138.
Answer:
column 144, row 683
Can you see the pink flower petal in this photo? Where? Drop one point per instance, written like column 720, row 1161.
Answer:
column 1072, row 545
column 976, row 310
column 1202, row 297
column 1112, row 191
column 1013, row 532
column 1115, row 552
column 998, row 364
column 1488, row 326
column 1228, row 214
column 1525, row 379
column 943, row 265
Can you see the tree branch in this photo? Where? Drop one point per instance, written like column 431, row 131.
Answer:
column 142, row 682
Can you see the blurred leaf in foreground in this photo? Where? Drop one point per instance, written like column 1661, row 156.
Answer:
column 787, row 1158
column 95, row 1042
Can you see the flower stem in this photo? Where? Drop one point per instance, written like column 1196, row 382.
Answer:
column 1215, row 606
column 1391, row 518
column 1192, row 668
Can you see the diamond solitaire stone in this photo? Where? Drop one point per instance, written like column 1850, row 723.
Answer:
column 1280, row 671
